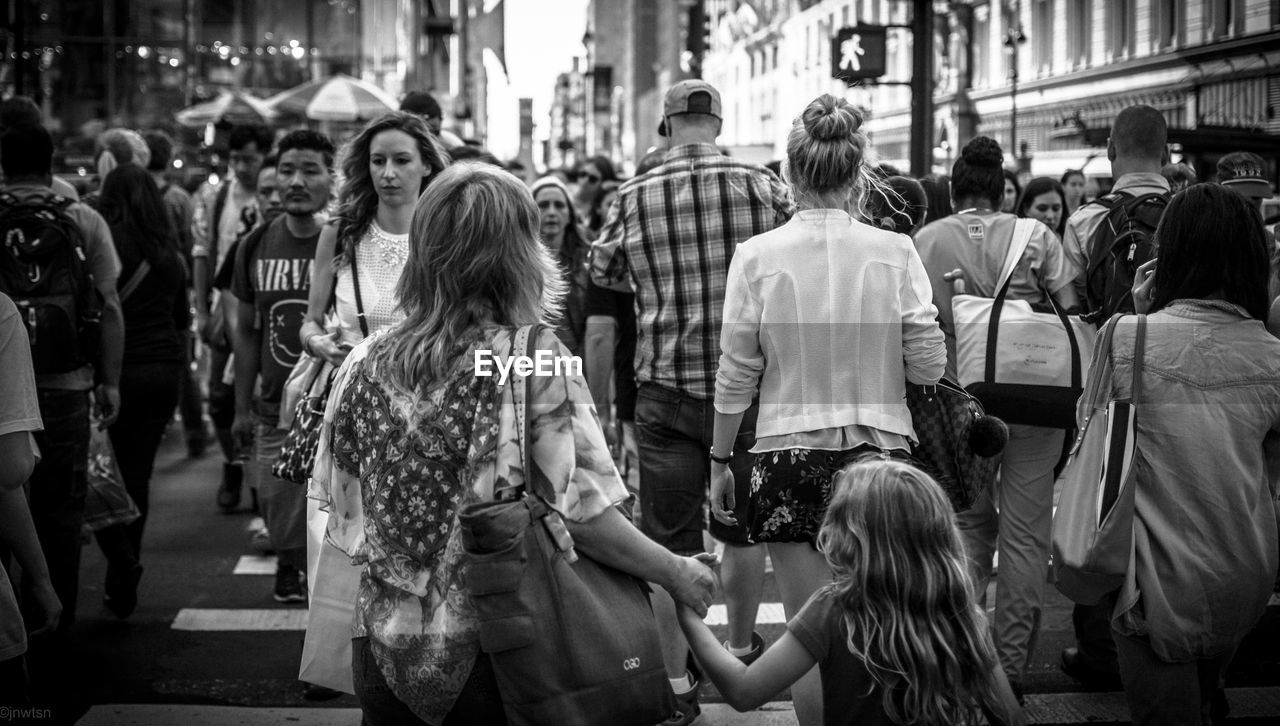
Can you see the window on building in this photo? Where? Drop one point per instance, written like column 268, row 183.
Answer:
column 1120, row 28
column 844, row 16
column 1042, row 35
column 1078, row 26
column 773, row 50
column 1225, row 16
column 981, row 45
column 1166, row 20
column 808, row 45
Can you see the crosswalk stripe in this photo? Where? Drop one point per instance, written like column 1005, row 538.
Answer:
column 770, row 613
column 209, row 619
column 255, row 565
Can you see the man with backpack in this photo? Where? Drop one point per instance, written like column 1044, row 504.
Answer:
column 1107, row 239
column 59, row 265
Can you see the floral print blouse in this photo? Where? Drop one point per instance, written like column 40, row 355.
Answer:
column 393, row 469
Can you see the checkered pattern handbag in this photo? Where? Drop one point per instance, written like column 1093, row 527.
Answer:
column 944, row 417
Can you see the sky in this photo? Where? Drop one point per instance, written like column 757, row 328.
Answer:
column 543, row 36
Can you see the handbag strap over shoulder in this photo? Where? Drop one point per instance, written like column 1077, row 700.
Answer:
column 355, row 283
column 522, row 343
column 1022, row 229
column 1139, row 351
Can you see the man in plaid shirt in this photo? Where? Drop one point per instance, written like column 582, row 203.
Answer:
column 669, row 238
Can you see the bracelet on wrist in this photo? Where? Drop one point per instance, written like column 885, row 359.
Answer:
column 306, row 343
column 721, row 459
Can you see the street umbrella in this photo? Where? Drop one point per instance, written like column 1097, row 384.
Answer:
column 338, row 98
column 232, row 107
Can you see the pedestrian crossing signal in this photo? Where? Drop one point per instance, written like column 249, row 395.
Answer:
column 858, row 53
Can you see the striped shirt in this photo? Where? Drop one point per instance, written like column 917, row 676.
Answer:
column 669, row 237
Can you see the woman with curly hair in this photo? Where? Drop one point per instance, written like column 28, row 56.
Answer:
column 898, row 636
column 363, row 249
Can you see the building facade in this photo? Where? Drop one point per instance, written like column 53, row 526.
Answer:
column 1212, row 67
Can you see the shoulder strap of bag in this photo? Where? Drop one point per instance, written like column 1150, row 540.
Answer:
column 1139, row 351
column 523, row 341
column 1022, row 229
column 1099, row 384
column 355, row 282
column 135, row 280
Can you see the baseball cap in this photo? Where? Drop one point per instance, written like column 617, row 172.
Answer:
column 690, row 96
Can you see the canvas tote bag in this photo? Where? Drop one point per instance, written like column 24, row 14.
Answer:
column 1027, row 367
column 1093, row 528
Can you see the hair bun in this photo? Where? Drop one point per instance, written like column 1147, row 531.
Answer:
column 983, row 151
column 830, row 118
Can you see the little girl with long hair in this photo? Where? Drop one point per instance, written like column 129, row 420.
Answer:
column 898, row 636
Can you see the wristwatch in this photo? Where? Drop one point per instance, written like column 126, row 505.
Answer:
column 721, row 459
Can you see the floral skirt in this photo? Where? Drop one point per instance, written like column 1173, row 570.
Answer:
column 790, row 490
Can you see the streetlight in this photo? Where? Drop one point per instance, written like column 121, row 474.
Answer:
column 1013, row 39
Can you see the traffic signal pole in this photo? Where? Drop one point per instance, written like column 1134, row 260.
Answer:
column 858, row 56
column 921, row 88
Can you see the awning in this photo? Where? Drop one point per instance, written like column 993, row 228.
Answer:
column 1055, row 163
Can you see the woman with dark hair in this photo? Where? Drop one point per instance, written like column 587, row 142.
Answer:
column 937, row 192
column 1073, row 186
column 1204, row 544
column 1012, row 190
column 445, row 438
column 385, row 168
column 592, row 176
column 1044, row 201
column 974, row 242
column 152, row 286
column 560, row 228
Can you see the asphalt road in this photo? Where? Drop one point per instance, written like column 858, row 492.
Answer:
column 144, row 670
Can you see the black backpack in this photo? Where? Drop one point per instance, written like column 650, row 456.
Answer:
column 44, row 269
column 1117, row 248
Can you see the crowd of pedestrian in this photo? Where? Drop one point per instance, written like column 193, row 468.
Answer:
column 748, row 341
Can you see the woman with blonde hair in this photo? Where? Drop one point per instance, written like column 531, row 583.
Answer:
column 898, row 636
column 413, row 433
column 825, row 319
column 363, row 249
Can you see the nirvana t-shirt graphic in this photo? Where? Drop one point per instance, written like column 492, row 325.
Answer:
column 273, row 273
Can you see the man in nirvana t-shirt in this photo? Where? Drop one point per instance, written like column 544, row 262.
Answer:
column 272, row 280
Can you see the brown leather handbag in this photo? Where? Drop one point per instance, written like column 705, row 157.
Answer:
column 572, row 641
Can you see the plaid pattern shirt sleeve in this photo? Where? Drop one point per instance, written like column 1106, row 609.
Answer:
column 678, row 227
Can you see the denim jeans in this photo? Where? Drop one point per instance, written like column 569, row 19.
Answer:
column 673, row 437
column 148, row 396
column 57, row 488
column 284, row 504
column 479, row 703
